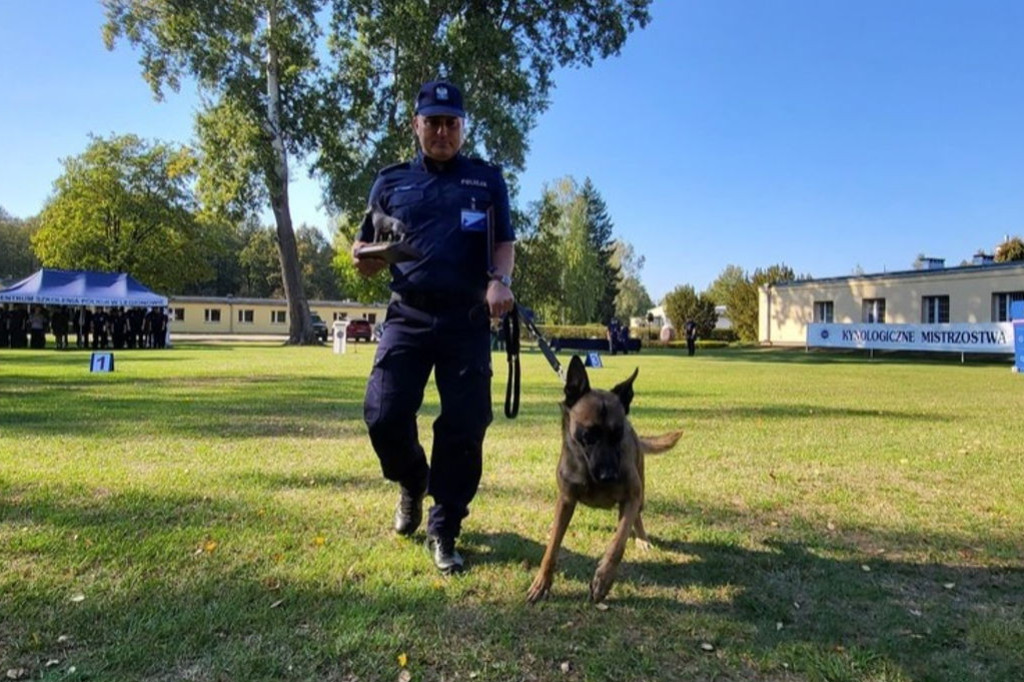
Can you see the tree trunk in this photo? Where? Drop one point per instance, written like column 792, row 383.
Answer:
column 300, row 326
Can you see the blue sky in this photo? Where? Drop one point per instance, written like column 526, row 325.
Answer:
column 830, row 135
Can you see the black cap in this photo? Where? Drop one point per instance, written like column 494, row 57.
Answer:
column 439, row 98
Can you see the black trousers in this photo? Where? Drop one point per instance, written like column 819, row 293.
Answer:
column 455, row 343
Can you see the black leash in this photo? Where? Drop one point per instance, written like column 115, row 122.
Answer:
column 510, row 329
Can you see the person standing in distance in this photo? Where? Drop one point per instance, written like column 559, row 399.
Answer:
column 438, row 318
column 690, row 328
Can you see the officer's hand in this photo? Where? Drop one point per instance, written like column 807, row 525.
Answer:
column 499, row 298
column 367, row 267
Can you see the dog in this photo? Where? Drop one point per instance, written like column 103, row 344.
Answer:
column 601, row 465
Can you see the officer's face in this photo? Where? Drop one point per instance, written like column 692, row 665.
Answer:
column 440, row 137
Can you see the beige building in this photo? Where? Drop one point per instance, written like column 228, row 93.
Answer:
column 969, row 294
column 228, row 315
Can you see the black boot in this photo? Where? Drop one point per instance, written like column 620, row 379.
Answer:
column 442, row 551
column 409, row 512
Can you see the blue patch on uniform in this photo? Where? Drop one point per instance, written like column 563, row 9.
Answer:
column 473, row 221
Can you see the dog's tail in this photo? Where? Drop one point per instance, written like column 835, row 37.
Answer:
column 655, row 444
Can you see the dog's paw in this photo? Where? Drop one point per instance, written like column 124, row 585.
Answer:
column 601, row 584
column 644, row 546
column 539, row 589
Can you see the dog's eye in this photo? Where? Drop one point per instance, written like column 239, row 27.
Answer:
column 587, row 436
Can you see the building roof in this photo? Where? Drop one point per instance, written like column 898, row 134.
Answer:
column 896, row 274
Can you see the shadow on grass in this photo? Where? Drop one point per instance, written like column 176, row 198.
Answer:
column 156, row 609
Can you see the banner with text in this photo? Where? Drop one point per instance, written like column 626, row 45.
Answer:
column 985, row 337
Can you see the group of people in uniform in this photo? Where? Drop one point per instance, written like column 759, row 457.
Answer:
column 96, row 327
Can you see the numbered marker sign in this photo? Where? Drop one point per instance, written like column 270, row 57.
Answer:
column 593, row 359
column 102, row 362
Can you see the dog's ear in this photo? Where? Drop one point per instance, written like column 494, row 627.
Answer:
column 625, row 390
column 576, row 382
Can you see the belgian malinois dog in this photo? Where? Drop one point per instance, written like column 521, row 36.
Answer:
column 602, row 465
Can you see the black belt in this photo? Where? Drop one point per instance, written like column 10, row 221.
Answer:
column 434, row 302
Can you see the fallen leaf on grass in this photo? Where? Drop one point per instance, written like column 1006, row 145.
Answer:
column 277, row 603
column 78, row 597
column 778, row 625
column 209, row 546
column 405, row 675
column 949, row 586
column 403, row 660
column 63, row 639
column 707, row 646
column 52, row 662
column 566, row 667
column 914, row 612
column 16, row 673
column 319, row 540
column 865, row 568
column 602, row 607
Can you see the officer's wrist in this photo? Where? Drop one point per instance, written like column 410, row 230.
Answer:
column 504, row 280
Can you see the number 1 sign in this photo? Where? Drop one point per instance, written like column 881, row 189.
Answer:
column 102, row 362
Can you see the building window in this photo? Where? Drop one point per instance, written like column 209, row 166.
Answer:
column 245, row 316
column 211, row 315
column 178, row 314
column 935, row 309
column 823, row 311
column 279, row 316
column 873, row 311
column 1001, row 304
column 371, row 318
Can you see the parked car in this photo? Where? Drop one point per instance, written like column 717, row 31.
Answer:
column 320, row 328
column 359, row 330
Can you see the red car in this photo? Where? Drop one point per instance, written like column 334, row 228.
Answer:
column 359, row 330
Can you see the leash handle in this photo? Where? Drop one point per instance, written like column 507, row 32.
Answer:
column 510, row 329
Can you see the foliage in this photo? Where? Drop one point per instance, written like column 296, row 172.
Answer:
column 721, row 289
column 271, row 97
column 742, row 298
column 632, row 299
column 126, row 205
column 502, row 52
column 538, row 261
column 316, row 255
column 683, row 303
column 1010, row 250
column 16, row 257
column 353, row 286
column 600, row 226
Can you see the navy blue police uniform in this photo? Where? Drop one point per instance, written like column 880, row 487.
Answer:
column 437, row 319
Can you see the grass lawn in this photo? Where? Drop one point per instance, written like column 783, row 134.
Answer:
column 215, row 512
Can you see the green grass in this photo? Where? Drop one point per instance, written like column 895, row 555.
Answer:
column 215, row 512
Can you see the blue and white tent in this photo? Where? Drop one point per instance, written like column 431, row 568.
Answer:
column 81, row 287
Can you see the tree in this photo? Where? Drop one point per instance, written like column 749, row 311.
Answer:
column 538, row 263
column 632, row 299
column 126, row 205
column 721, row 289
column 317, row 255
column 600, row 227
column 744, row 301
column 683, row 303
column 269, row 97
column 351, row 284
column 261, row 269
column 16, row 257
column 1012, row 249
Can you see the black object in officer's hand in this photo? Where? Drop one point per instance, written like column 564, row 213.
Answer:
column 388, row 240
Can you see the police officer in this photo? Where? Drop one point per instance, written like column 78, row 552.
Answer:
column 438, row 318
